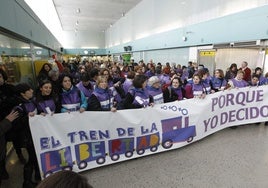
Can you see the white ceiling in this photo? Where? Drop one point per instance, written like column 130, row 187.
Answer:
column 95, row 15
column 87, row 27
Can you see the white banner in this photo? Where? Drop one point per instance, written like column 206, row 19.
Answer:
column 81, row 141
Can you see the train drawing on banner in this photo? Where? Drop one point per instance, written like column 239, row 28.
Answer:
column 174, row 130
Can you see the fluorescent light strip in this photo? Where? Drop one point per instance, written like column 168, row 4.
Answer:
column 90, row 47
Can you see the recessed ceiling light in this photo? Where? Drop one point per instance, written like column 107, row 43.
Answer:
column 75, row 30
column 76, row 23
column 78, row 11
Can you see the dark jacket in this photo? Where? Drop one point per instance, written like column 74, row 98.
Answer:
column 51, row 101
column 132, row 99
column 101, row 100
column 5, row 125
column 7, row 99
column 171, row 94
column 20, row 130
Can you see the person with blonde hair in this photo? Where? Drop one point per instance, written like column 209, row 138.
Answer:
column 238, row 81
column 102, row 98
column 218, row 82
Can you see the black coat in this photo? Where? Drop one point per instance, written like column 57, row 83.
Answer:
column 7, row 99
column 20, row 131
column 170, row 95
column 5, row 125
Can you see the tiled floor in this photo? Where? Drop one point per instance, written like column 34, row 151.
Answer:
column 229, row 158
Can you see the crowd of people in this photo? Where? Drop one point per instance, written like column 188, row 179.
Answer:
column 104, row 86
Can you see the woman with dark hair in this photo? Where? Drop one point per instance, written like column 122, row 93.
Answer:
column 174, row 92
column 238, row 81
column 255, row 82
column 150, row 70
column 46, row 100
column 72, row 99
column 205, row 81
column 195, row 89
column 184, row 75
column 84, row 85
column 114, row 84
column 65, row 179
column 43, row 73
column 138, row 97
column 231, row 72
column 94, row 73
column 258, row 72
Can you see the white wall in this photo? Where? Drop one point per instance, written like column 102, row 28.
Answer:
column 155, row 16
column 17, row 17
column 178, row 56
column 225, row 57
column 86, row 39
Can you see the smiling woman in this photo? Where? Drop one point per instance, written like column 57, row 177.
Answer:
column 47, row 101
column 103, row 97
column 72, row 99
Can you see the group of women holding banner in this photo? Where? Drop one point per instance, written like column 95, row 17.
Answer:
column 103, row 87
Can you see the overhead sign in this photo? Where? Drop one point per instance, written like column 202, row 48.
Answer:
column 207, row 53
